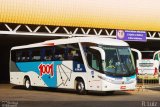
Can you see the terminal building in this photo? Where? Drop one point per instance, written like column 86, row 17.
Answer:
column 28, row 21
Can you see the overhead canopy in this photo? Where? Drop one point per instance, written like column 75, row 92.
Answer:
column 114, row 14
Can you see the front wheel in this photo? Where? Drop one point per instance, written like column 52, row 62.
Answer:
column 27, row 83
column 80, row 87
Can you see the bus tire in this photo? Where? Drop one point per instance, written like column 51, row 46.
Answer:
column 80, row 87
column 27, row 83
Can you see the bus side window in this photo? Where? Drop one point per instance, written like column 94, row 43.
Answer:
column 69, row 54
column 49, row 52
column 77, row 56
column 156, row 57
column 36, row 55
column 25, row 55
column 74, row 53
column 13, row 56
column 94, row 59
column 18, row 56
column 59, row 53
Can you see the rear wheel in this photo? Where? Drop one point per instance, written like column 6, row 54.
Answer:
column 80, row 87
column 27, row 83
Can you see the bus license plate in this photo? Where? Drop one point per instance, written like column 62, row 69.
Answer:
column 122, row 87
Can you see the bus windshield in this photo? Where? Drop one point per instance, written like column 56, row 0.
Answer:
column 147, row 54
column 118, row 60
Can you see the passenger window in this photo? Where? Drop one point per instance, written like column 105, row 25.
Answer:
column 19, row 56
column 73, row 53
column 67, row 52
column 49, row 52
column 25, row 55
column 36, row 55
column 13, row 56
column 59, row 53
column 156, row 57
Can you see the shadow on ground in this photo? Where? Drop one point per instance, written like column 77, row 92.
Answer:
column 68, row 91
column 154, row 88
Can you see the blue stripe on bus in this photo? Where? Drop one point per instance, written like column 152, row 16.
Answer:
column 34, row 66
column 132, row 77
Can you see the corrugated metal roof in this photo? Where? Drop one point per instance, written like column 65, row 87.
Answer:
column 114, row 14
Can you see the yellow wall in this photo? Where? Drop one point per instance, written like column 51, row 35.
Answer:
column 116, row 14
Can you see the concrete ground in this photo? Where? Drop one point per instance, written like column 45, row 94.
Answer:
column 68, row 98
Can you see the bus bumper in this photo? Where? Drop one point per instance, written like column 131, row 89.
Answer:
column 108, row 86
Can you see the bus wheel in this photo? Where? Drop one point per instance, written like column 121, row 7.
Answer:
column 27, row 83
column 80, row 87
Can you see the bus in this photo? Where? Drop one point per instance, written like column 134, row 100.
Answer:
column 80, row 63
column 147, row 66
column 156, row 56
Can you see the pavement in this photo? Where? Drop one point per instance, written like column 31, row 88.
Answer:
column 40, row 97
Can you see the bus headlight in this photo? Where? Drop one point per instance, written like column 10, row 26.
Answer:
column 104, row 78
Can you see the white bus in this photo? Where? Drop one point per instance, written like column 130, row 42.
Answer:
column 147, row 64
column 80, row 63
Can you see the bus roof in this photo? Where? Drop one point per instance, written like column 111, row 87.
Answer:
column 97, row 40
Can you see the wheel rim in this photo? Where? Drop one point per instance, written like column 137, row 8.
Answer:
column 81, row 86
column 27, row 84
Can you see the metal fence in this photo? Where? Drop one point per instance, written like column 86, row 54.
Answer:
column 145, row 80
